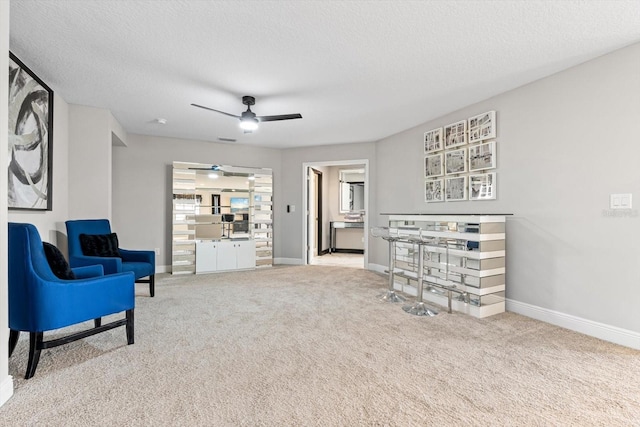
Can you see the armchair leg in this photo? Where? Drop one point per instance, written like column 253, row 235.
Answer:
column 13, row 340
column 129, row 327
column 97, row 322
column 152, row 283
column 35, row 347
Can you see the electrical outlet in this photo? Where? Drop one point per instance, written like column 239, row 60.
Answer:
column 157, row 250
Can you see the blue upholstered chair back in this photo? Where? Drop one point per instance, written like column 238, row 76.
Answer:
column 141, row 262
column 85, row 226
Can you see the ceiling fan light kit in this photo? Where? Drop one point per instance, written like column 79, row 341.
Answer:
column 248, row 119
column 248, row 123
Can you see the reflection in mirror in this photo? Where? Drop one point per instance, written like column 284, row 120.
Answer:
column 214, row 203
column 352, row 190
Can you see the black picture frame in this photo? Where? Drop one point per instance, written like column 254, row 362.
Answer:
column 30, row 185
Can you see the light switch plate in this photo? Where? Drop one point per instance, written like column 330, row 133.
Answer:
column 620, row 201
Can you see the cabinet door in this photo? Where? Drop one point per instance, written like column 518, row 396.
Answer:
column 246, row 251
column 206, row 257
column 227, row 258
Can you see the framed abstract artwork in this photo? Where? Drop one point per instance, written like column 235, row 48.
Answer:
column 433, row 166
column 433, row 140
column 482, row 186
column 30, row 139
column 455, row 161
column 456, row 189
column 433, row 191
column 455, row 134
column 482, row 156
column 482, row 126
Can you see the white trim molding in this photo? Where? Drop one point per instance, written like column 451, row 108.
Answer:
column 377, row 268
column 6, row 390
column 602, row 331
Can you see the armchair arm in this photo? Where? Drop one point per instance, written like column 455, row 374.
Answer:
column 56, row 304
column 111, row 265
column 138, row 256
column 88, row 271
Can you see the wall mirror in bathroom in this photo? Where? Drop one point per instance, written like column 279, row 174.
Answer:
column 351, row 190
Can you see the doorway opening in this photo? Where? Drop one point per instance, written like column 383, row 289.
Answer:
column 332, row 234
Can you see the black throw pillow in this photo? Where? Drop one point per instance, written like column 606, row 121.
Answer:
column 103, row 245
column 59, row 265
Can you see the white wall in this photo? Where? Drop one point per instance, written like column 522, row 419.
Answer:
column 290, row 246
column 6, row 380
column 142, row 185
column 565, row 143
column 90, row 167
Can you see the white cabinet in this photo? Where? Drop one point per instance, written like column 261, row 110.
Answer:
column 206, row 257
column 246, row 254
column 225, row 255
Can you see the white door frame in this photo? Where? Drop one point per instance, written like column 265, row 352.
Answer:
column 305, row 210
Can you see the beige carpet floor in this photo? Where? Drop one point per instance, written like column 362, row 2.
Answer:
column 312, row 346
column 339, row 260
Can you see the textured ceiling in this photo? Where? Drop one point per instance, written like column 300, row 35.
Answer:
column 356, row 70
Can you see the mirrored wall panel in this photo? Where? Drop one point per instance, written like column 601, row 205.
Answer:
column 222, row 218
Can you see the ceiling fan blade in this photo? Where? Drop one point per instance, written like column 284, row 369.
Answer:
column 280, row 117
column 217, row 111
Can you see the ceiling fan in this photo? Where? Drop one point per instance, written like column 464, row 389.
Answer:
column 248, row 119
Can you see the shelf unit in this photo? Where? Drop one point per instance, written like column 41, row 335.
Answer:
column 183, row 250
column 467, row 262
column 261, row 217
column 197, row 218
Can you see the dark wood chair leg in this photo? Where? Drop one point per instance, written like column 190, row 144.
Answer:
column 13, row 340
column 129, row 327
column 97, row 322
column 35, row 347
column 152, row 284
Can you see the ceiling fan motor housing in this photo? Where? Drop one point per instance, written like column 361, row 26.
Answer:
column 248, row 100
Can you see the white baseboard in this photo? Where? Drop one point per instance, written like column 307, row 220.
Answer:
column 288, row 261
column 162, row 269
column 602, row 331
column 6, row 389
column 377, row 268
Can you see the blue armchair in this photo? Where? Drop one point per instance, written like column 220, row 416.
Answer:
column 39, row 301
column 141, row 263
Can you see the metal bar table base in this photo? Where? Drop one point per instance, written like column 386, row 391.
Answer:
column 419, row 308
column 390, row 295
